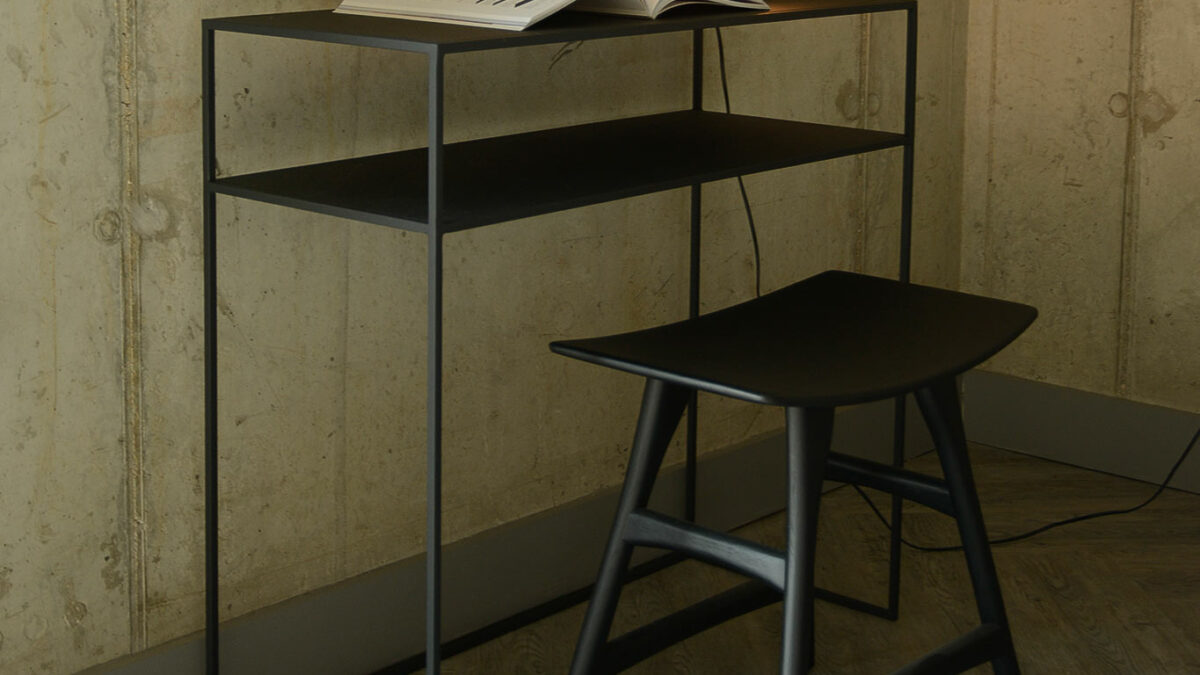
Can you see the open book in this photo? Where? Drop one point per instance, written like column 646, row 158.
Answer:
column 518, row 14
column 650, row 9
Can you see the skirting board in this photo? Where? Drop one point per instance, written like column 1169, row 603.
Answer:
column 373, row 620
column 1108, row 434
column 376, row 619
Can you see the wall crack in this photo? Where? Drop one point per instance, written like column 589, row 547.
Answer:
column 131, row 248
column 1126, row 298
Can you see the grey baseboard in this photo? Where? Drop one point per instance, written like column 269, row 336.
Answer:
column 371, row 621
column 1108, row 434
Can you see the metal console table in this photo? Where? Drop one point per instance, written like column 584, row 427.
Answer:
column 441, row 189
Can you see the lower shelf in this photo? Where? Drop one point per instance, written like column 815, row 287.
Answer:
column 499, row 179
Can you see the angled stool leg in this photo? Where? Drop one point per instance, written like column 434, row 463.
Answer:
column 662, row 407
column 809, row 431
column 940, row 407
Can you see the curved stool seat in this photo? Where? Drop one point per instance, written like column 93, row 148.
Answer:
column 834, row 339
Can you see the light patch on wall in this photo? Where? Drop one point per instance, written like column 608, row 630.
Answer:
column 111, row 572
column 1154, row 111
column 153, row 219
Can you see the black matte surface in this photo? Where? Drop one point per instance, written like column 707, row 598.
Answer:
column 499, row 179
column 565, row 26
column 833, row 339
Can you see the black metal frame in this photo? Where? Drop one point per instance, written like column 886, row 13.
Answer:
column 212, row 608
column 436, row 41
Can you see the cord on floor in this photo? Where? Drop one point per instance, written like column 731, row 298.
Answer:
column 1048, row 526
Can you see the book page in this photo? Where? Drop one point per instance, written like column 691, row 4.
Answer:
column 624, row 7
column 652, row 8
column 663, row 5
column 507, row 14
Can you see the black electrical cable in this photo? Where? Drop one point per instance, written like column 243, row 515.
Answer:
column 741, row 183
column 1049, row 526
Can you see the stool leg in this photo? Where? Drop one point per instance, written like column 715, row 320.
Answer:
column 662, row 407
column 940, row 407
column 809, row 431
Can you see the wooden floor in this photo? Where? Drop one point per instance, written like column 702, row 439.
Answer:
column 1113, row 595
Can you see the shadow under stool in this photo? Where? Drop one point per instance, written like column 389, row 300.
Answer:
column 834, row 339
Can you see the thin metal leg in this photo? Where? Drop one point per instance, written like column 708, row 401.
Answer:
column 693, row 401
column 910, row 128
column 895, row 547
column 662, row 406
column 809, row 432
column 433, row 465
column 212, row 610
column 433, row 459
column 905, row 274
column 940, row 406
column 690, row 459
column 212, row 651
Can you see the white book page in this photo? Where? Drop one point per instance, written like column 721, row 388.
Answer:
column 509, row 14
column 624, row 7
column 652, row 8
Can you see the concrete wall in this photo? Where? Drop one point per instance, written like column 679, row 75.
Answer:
column 65, row 537
column 322, row 352
column 1081, row 190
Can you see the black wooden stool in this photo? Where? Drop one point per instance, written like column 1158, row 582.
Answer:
column 834, row 339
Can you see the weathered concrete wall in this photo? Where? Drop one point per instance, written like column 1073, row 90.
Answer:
column 63, row 535
column 1160, row 360
column 1081, row 190
column 322, row 330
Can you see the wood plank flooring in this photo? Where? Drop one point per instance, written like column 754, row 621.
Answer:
column 1114, row 595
